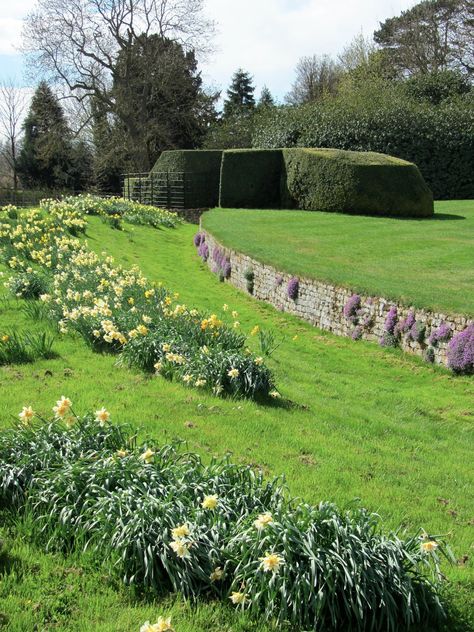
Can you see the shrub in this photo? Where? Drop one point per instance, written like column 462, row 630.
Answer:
column 461, row 351
column 202, row 169
column 439, row 140
column 354, row 182
column 250, row 179
column 293, row 288
column 164, row 520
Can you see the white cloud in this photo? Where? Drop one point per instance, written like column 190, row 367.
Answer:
column 11, row 22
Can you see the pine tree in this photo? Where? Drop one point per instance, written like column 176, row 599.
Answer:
column 266, row 99
column 240, row 95
column 46, row 156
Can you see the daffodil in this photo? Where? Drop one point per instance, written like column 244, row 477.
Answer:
column 429, row 546
column 102, row 416
column 180, row 532
column 259, row 361
column 210, row 502
column 238, row 598
column 216, row 574
column 225, row 307
column 271, row 562
column 275, row 394
column 162, row 625
column 180, row 548
column 255, row 330
column 121, row 453
column 233, row 373
column 235, row 314
column 62, row 407
column 263, row 520
column 147, row 456
column 26, row 414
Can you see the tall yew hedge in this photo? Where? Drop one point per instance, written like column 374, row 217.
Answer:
column 438, row 139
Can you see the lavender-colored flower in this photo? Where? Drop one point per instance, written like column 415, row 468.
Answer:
column 442, row 334
column 293, row 288
column 227, row 269
column 198, row 239
column 391, row 320
column 351, row 306
column 204, row 251
column 357, row 333
column 461, row 351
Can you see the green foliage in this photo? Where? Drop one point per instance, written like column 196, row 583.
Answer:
column 20, row 348
column 250, row 179
column 353, row 182
column 436, row 87
column 123, row 502
column 202, row 168
column 439, row 140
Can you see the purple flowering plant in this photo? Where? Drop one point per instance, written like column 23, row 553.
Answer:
column 293, row 288
column 461, row 351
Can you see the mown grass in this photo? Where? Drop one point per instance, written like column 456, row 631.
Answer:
column 363, row 422
column 424, row 262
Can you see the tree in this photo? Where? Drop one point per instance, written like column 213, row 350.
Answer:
column 240, row 94
column 266, row 99
column 91, row 46
column 12, row 107
column 46, row 155
column 315, row 77
column 432, row 36
column 436, row 87
column 161, row 99
column 357, row 54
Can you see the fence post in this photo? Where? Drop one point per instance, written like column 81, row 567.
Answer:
column 168, row 192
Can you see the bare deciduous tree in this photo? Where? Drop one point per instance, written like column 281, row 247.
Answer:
column 77, row 43
column 315, row 76
column 357, row 53
column 12, row 107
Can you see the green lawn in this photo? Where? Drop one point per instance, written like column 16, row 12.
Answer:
column 364, row 422
column 425, row 262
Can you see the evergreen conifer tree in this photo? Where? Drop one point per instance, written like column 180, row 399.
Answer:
column 240, row 94
column 46, row 156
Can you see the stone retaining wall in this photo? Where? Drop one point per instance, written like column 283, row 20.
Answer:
column 322, row 304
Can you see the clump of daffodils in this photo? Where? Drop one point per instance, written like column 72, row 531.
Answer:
column 162, row 625
column 247, row 542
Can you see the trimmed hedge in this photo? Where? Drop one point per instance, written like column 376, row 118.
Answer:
column 250, row 178
column 353, row 182
column 439, row 140
column 202, row 168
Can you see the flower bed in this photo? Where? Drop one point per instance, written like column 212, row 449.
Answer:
column 120, row 311
column 165, row 520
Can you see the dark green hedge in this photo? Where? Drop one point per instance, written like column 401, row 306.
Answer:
column 250, row 178
column 202, row 168
column 353, row 182
column 438, row 139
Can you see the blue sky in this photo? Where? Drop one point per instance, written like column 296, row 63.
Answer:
column 265, row 37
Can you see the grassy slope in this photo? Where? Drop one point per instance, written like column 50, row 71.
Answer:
column 425, row 262
column 368, row 423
